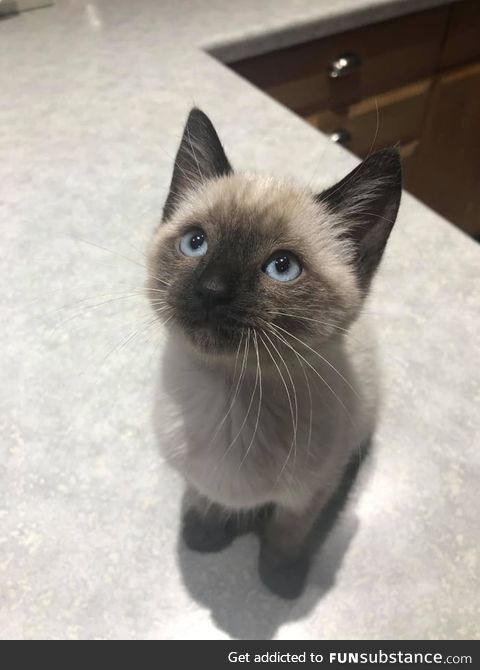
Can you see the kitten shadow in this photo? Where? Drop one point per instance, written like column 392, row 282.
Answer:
column 228, row 582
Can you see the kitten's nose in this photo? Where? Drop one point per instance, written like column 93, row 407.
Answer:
column 214, row 290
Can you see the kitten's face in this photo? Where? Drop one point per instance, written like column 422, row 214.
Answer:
column 248, row 252
column 242, row 254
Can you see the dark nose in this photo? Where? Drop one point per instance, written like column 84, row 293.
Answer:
column 214, row 290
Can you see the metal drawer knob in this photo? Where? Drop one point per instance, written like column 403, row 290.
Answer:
column 343, row 65
column 341, row 136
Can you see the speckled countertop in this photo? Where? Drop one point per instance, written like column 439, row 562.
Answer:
column 93, row 97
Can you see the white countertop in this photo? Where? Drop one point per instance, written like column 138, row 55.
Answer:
column 93, row 100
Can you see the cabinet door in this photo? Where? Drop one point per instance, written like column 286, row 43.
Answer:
column 445, row 169
column 462, row 42
column 393, row 118
column 376, row 58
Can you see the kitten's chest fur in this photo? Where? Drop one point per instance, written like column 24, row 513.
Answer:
column 247, row 441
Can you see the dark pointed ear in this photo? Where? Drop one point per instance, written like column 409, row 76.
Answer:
column 367, row 200
column 200, row 156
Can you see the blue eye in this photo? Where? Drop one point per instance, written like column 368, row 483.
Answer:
column 283, row 266
column 194, row 243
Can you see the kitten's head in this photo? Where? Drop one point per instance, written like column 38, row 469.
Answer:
column 238, row 251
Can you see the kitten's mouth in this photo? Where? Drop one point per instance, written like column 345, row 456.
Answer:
column 211, row 334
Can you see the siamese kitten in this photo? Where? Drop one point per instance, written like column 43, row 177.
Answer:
column 268, row 373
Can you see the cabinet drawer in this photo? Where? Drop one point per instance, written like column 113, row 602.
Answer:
column 462, row 42
column 382, row 57
column 400, row 116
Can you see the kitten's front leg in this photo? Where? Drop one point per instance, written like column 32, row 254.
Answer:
column 284, row 556
column 206, row 526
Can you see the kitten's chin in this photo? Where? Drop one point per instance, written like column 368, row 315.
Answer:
column 214, row 342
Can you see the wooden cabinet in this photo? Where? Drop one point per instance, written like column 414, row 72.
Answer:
column 394, row 117
column 395, row 83
column 445, row 169
column 386, row 55
column 462, row 41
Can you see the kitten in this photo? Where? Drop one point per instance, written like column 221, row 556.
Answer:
column 268, row 373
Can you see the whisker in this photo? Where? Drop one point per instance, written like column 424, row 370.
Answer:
column 310, row 421
column 79, row 314
column 294, row 427
column 145, row 325
column 282, row 339
column 332, row 367
column 349, row 179
column 377, row 112
column 259, row 372
column 195, row 156
column 191, row 181
column 343, row 331
column 240, row 379
column 306, row 318
column 247, row 413
column 132, row 294
column 117, row 253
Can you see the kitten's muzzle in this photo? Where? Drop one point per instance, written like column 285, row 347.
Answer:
column 213, row 292
column 209, row 309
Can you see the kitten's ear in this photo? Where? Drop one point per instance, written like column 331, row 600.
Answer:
column 200, row 156
column 367, row 200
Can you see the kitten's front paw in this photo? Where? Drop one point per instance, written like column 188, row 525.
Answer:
column 204, row 534
column 284, row 576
